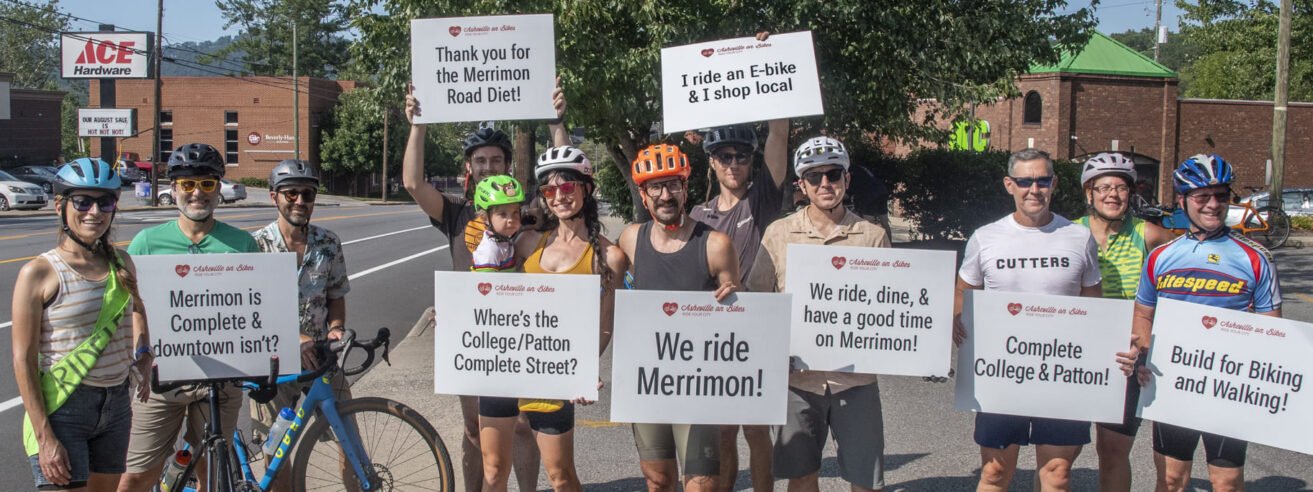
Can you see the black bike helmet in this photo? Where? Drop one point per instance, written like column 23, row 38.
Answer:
column 485, row 137
column 726, row 135
column 196, row 159
column 293, row 171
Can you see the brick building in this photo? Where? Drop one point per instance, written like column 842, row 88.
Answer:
column 30, row 131
column 1108, row 97
column 249, row 119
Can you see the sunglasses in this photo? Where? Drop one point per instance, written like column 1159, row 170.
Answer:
column 1042, row 181
column 1223, row 197
column 207, row 185
column 83, row 203
column 728, row 158
column 565, row 188
column 814, row 178
column 292, row 195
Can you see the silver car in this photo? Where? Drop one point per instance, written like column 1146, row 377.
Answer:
column 1294, row 201
column 230, row 191
column 17, row 194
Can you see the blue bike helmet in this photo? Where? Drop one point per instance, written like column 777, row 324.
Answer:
column 85, row 173
column 1202, row 171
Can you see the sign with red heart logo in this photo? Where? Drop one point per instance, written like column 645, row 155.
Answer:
column 454, row 31
column 1209, row 322
column 485, row 288
column 838, row 262
column 670, row 308
column 182, row 270
column 1014, row 308
column 708, row 52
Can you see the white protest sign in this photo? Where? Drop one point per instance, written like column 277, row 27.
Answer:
column 871, row 310
column 221, row 316
column 516, row 334
column 107, row 122
column 1043, row 356
column 1230, row 373
column 739, row 80
column 683, row 358
column 483, row 68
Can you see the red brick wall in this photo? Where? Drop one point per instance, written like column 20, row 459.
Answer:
column 1241, row 132
column 32, row 132
column 263, row 106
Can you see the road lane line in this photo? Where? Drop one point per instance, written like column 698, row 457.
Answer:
column 396, row 262
column 16, row 402
column 363, row 239
column 6, row 324
column 1305, row 297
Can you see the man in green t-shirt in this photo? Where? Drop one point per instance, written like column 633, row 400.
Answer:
column 194, row 172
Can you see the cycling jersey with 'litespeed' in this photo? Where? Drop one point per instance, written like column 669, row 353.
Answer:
column 1229, row 272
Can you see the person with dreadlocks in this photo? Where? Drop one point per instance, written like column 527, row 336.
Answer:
column 77, row 319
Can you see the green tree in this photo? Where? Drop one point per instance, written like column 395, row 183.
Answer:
column 1236, row 42
column 352, row 139
column 266, row 36
column 29, row 43
column 877, row 59
column 1177, row 54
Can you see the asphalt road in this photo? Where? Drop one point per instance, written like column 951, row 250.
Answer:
column 390, row 252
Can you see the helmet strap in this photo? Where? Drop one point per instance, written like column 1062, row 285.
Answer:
column 63, row 223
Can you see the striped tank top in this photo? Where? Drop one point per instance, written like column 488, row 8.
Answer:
column 69, row 320
column 1122, row 259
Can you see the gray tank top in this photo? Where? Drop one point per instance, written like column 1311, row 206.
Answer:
column 684, row 270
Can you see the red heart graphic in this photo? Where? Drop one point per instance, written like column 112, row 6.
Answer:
column 454, row 31
column 1014, row 308
column 1209, row 322
column 838, row 262
column 707, row 52
column 670, row 308
column 182, row 270
column 485, row 288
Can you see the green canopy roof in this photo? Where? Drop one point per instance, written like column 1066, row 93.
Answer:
column 1105, row 56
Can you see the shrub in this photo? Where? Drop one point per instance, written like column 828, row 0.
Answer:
column 1301, row 222
column 254, row 182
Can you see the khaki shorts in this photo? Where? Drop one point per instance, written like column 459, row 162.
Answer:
column 289, row 396
column 156, row 422
column 697, row 447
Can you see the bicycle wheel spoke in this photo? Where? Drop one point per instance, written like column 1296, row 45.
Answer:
column 403, row 451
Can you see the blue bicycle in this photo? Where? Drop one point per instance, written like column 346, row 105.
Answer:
column 367, row 444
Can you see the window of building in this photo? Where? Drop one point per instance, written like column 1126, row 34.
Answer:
column 1034, row 108
column 230, row 117
column 166, row 117
column 166, row 144
column 230, row 146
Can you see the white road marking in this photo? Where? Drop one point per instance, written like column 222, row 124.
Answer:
column 6, row 324
column 396, row 262
column 16, row 402
column 363, row 239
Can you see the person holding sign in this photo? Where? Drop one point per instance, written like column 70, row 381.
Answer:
column 77, row 317
column 487, row 153
column 321, row 279
column 1210, row 265
column 672, row 252
column 1029, row 250
column 1124, row 241
column 820, row 402
column 194, row 171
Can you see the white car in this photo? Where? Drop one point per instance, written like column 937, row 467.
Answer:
column 15, row 194
column 230, row 191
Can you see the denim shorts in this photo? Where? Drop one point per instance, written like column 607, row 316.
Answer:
column 93, row 426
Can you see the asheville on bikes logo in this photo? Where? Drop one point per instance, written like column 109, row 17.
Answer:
column 485, row 288
column 478, row 30
column 707, row 52
column 1015, row 308
column 182, row 270
column 838, row 262
column 1209, row 322
column 671, row 308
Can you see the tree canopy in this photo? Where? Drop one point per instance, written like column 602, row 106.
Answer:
column 266, row 36
column 1236, row 43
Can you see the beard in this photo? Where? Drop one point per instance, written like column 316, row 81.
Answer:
column 196, row 216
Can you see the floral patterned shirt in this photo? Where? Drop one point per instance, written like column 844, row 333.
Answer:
column 320, row 277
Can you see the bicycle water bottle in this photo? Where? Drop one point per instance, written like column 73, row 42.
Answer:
column 277, row 431
column 171, row 481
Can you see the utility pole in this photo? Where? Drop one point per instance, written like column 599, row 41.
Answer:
column 386, row 112
column 296, row 95
column 1157, row 29
column 159, row 59
column 1279, row 105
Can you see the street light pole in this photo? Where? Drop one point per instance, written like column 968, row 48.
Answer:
column 1279, row 105
column 159, row 59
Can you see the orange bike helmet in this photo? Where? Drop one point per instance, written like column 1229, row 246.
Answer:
column 660, row 161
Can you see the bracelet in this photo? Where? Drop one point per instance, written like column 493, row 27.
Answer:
column 141, row 352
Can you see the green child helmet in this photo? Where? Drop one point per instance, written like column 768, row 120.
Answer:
column 497, row 190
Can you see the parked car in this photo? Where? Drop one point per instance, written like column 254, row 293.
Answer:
column 230, row 191
column 1294, row 201
column 37, row 175
column 18, row 194
column 131, row 168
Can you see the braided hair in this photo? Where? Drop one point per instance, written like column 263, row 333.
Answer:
column 589, row 213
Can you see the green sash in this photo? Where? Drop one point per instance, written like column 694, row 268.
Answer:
column 65, row 376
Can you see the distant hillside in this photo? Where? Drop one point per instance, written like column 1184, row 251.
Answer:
column 189, row 56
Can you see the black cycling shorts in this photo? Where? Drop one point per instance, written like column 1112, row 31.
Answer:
column 550, row 423
column 1179, row 443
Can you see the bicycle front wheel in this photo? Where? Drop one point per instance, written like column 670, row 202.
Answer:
column 403, row 450
column 1277, row 231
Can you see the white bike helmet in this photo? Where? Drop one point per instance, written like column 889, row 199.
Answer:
column 1107, row 163
column 819, row 151
column 563, row 157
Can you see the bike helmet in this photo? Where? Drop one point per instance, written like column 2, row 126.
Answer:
column 86, row 173
column 293, row 171
column 1108, row 163
column 819, row 151
column 1202, row 171
column 497, row 190
column 660, row 161
column 563, row 157
column 726, row 135
column 196, row 159
column 487, row 136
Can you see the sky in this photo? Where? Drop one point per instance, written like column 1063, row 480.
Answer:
column 199, row 20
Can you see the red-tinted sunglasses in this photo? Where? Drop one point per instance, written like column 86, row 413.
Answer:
column 567, row 188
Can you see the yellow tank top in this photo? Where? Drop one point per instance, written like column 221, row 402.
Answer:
column 533, row 263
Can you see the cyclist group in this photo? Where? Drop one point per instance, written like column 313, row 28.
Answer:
column 79, row 327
